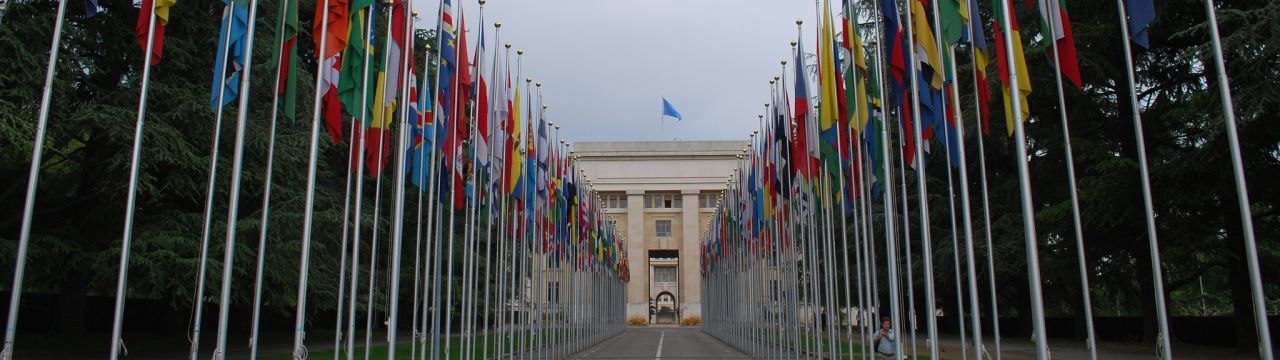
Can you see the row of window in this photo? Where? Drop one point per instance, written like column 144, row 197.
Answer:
column 659, row 200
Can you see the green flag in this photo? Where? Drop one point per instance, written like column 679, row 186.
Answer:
column 287, row 58
column 350, row 81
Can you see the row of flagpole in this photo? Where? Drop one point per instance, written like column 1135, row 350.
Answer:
column 579, row 235
column 744, row 283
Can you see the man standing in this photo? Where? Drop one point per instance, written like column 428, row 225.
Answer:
column 885, row 342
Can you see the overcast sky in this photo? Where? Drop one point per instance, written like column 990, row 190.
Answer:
column 606, row 64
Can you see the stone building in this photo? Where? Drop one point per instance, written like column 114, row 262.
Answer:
column 661, row 194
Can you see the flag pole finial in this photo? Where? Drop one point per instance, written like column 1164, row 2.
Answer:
column 508, row 45
column 799, row 21
column 497, row 24
column 519, row 52
column 539, row 84
column 528, row 80
column 481, row 2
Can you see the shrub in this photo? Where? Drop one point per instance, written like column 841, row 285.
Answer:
column 691, row 321
column 637, row 321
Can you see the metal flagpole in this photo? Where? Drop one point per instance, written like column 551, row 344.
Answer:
column 397, row 215
column 346, row 237
column 419, row 273
column 926, row 241
column 131, row 199
column 33, row 177
column 377, row 181
column 434, row 207
column 986, row 210
column 233, row 207
column 1242, row 190
column 955, row 243
column 1157, row 277
column 1051, row 17
column 299, row 351
column 951, row 198
column 490, row 185
column 207, row 224
column 975, row 312
column 358, row 123
column 397, row 220
column 266, row 192
column 1024, row 187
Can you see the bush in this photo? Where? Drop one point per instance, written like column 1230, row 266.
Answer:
column 637, row 321
column 691, row 321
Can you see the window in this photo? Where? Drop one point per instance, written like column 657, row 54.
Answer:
column 662, row 228
column 707, row 200
column 614, row 201
column 663, row 201
column 664, row 274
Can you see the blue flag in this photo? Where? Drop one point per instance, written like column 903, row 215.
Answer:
column 670, row 110
column 1141, row 14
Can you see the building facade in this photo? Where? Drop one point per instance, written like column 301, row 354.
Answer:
column 661, row 194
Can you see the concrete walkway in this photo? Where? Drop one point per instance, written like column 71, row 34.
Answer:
column 686, row 343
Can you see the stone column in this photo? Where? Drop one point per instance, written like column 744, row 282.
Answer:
column 637, row 257
column 690, row 276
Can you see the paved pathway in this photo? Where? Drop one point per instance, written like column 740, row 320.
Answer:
column 685, row 343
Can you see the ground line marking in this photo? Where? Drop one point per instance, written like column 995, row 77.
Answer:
column 661, row 336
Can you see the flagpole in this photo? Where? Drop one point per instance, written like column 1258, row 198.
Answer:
column 299, row 351
column 926, row 241
column 370, row 19
column 1242, row 190
column 233, row 207
column 419, row 278
column 975, row 311
column 1074, row 189
column 266, row 187
column 1024, row 187
column 33, row 179
column 1156, row 273
column 207, row 224
column 490, row 185
column 131, row 199
column 435, row 206
column 986, row 210
column 397, row 216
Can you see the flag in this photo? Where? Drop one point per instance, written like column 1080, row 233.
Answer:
column 857, row 73
column 981, row 59
column 828, row 110
column 515, row 155
column 334, row 37
column 287, row 58
column 90, row 9
column 543, row 149
column 159, row 9
column 230, row 53
column 926, row 48
column 804, row 142
column 894, row 49
column 481, row 88
column 1003, row 67
column 353, row 89
column 1141, row 14
column 1055, row 12
column 420, row 154
column 670, row 110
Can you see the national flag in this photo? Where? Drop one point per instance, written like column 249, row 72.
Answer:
column 856, row 74
column 423, row 134
column 353, row 88
column 670, row 110
column 543, row 150
column 926, row 48
column 229, row 53
column 803, row 141
column 515, row 153
column 1141, row 14
column 1054, row 21
column 287, row 58
column 1003, row 66
column 981, row 59
column 481, row 88
column 334, row 39
column 159, row 9
column 894, row 48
